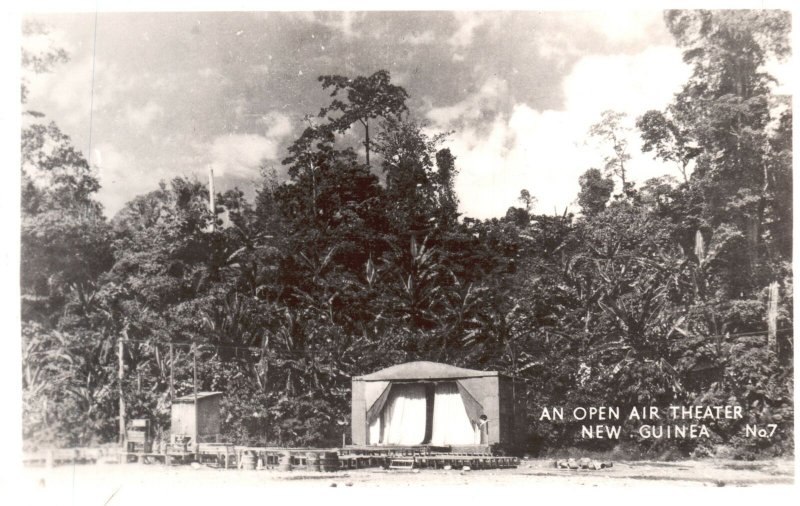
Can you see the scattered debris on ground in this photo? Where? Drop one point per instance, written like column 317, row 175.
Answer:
column 582, row 463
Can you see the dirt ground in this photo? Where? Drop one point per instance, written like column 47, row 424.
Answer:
column 113, row 484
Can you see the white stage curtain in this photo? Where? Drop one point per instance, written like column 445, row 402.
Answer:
column 375, row 431
column 451, row 424
column 373, row 393
column 376, row 394
column 404, row 416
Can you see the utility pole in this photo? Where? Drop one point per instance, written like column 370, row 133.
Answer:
column 194, row 387
column 265, row 357
column 120, row 377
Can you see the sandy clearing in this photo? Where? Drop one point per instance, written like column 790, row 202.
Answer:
column 107, row 484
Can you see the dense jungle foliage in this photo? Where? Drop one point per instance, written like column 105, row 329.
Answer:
column 654, row 294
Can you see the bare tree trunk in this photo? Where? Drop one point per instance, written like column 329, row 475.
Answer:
column 588, row 321
column 366, row 142
column 313, row 188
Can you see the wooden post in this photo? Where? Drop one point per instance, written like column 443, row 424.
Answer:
column 120, row 377
column 265, row 363
column 194, row 388
column 772, row 317
column 171, row 373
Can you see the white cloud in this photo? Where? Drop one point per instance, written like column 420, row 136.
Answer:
column 621, row 25
column 783, row 72
column 344, row 22
column 208, row 72
column 417, row 38
column 556, row 45
column 260, row 68
column 142, row 117
column 468, row 22
column 628, row 83
column 545, row 151
column 121, row 177
column 80, row 87
column 347, row 20
column 278, row 125
column 474, row 107
column 122, row 174
column 239, row 155
column 46, row 43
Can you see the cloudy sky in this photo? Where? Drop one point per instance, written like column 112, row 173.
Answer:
column 175, row 94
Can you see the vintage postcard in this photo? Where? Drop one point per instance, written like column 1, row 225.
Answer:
column 505, row 249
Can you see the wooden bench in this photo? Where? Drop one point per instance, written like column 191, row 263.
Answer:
column 402, row 464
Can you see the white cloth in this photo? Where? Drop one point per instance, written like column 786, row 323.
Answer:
column 375, row 431
column 451, row 425
column 373, row 392
column 403, row 418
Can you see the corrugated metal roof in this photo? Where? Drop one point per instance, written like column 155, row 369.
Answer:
column 423, row 370
column 200, row 396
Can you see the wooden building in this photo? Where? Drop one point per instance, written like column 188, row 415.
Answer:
column 201, row 422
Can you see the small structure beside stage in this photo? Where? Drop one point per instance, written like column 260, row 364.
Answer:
column 138, row 437
column 439, row 405
column 201, row 422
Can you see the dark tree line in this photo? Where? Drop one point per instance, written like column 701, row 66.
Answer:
column 655, row 295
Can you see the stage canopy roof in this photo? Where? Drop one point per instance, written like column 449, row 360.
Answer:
column 423, row 370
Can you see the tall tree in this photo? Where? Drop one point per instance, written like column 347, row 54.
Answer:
column 368, row 98
column 661, row 135
column 595, row 191
column 612, row 132
column 412, row 181
column 445, row 181
column 721, row 121
column 526, row 199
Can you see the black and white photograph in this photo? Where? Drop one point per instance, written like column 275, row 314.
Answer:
column 276, row 252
